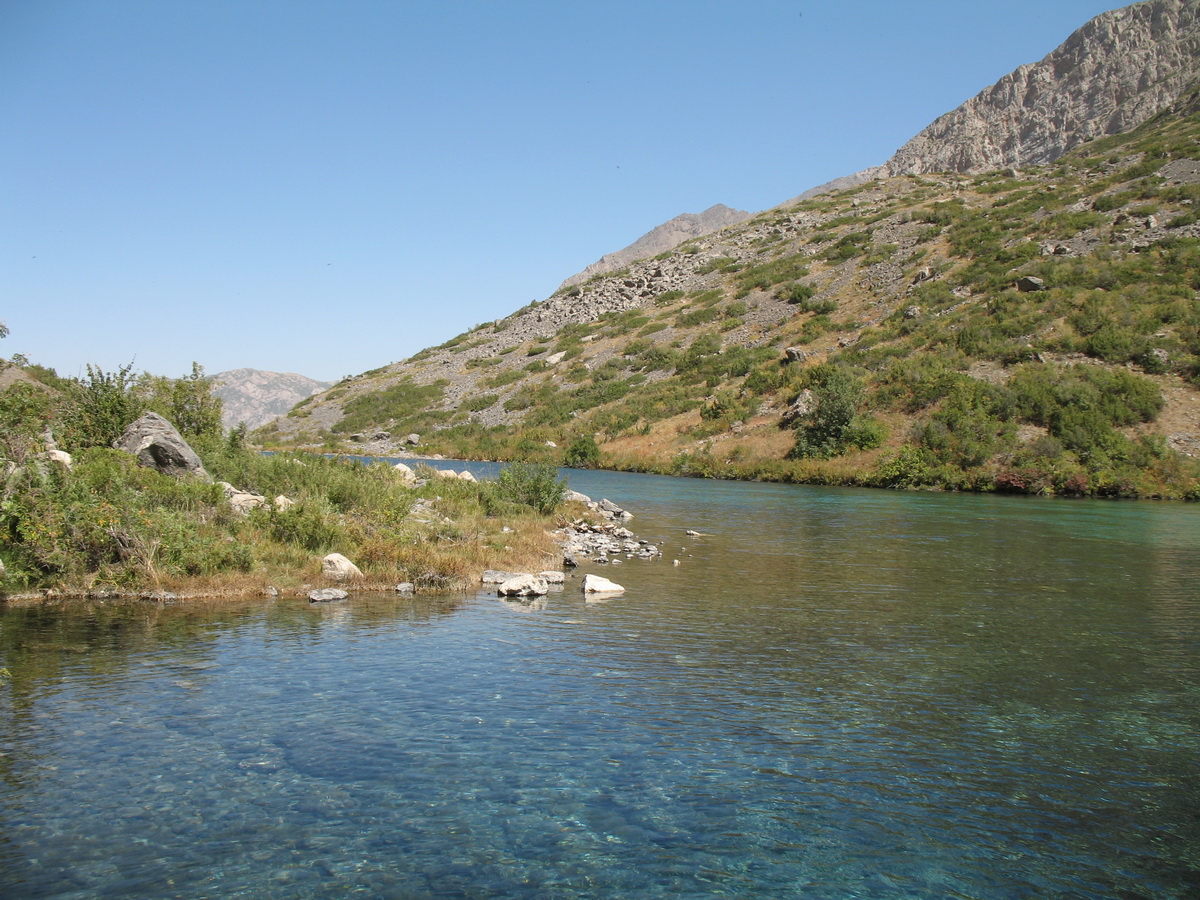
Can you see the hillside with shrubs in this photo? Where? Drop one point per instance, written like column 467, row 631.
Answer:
column 1027, row 331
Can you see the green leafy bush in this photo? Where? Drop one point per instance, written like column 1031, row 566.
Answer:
column 582, row 453
column 536, row 485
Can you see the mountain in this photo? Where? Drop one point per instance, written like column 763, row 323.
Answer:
column 665, row 237
column 1117, row 71
column 256, row 397
column 1033, row 331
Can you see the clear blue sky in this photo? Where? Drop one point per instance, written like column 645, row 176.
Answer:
column 327, row 187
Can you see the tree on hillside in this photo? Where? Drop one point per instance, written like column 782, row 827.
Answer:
column 188, row 403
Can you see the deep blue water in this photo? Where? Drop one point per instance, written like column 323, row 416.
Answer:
column 836, row 693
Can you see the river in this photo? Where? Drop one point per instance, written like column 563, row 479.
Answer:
column 835, row 693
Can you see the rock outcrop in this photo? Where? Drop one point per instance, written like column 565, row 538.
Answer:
column 1111, row 75
column 158, row 445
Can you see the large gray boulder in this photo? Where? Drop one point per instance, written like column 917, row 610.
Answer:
column 158, row 445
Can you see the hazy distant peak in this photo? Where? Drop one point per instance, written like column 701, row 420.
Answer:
column 665, row 237
column 256, row 397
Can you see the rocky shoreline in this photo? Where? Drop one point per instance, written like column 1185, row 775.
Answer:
column 605, row 542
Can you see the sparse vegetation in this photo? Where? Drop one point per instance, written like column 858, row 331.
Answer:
column 1010, row 333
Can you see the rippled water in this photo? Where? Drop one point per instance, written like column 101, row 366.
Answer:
column 836, row 693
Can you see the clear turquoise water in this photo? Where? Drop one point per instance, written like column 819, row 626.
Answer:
column 835, row 694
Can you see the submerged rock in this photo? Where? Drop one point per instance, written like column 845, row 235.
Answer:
column 327, row 595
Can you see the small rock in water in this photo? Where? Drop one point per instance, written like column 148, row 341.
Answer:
column 595, row 584
column 524, row 585
column 405, row 587
column 495, row 576
column 326, row 595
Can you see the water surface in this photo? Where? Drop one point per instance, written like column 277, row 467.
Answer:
column 836, row 693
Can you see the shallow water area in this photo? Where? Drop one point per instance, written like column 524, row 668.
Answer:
column 836, row 693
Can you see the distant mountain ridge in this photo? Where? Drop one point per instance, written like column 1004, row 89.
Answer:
column 665, row 237
column 257, row 397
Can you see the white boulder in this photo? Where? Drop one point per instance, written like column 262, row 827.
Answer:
column 594, row 584
column 338, row 568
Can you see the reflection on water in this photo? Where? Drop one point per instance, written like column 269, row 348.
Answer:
column 835, row 694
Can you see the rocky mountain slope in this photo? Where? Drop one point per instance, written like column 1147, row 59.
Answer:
column 1034, row 330
column 256, row 397
column 1111, row 75
column 665, row 237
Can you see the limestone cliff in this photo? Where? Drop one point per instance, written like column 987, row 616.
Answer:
column 1111, row 75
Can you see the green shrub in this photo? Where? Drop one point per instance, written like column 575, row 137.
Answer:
column 536, row 485
column 796, row 292
column 582, row 453
column 479, row 402
column 823, row 432
column 765, row 275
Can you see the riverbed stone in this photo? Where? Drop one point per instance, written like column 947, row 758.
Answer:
column 524, row 585
column 595, row 584
column 497, row 576
column 327, row 595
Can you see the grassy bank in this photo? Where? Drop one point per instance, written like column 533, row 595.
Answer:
column 108, row 525
column 101, row 524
